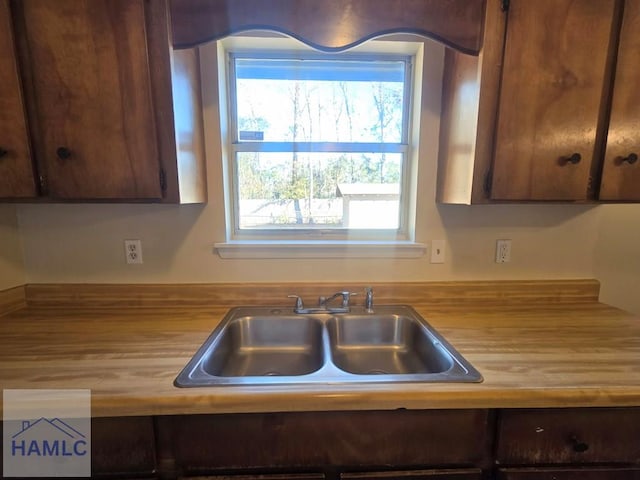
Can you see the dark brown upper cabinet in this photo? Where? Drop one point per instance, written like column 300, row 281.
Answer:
column 553, row 74
column 621, row 167
column 17, row 178
column 98, row 87
column 528, row 118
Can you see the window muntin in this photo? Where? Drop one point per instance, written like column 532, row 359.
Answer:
column 319, row 143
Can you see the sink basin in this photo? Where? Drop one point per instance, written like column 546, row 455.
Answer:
column 273, row 346
column 385, row 344
column 266, row 346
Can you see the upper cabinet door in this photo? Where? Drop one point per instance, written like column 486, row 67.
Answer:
column 621, row 169
column 16, row 168
column 89, row 68
column 554, row 70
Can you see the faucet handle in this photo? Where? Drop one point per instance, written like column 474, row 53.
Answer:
column 299, row 304
column 346, row 297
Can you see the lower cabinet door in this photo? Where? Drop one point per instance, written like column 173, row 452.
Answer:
column 122, row 447
column 592, row 473
column 458, row 474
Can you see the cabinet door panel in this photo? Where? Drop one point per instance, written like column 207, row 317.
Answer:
column 205, row 443
column 90, row 73
column 122, row 446
column 569, row 474
column 620, row 178
column 568, row 436
column 16, row 168
column 554, row 69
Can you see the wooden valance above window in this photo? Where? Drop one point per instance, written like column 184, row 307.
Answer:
column 330, row 25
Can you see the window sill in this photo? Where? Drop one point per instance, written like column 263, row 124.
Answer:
column 319, row 249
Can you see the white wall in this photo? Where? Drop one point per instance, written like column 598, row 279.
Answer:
column 12, row 271
column 617, row 260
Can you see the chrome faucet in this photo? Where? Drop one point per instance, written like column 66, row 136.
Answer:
column 346, row 296
column 323, row 304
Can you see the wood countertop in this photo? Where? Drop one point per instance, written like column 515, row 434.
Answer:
column 533, row 351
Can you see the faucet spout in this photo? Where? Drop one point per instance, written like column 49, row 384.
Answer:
column 346, row 297
column 323, row 304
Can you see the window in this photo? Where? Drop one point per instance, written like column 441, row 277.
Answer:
column 319, row 145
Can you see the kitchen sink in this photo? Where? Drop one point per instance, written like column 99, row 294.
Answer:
column 385, row 344
column 266, row 346
column 273, row 346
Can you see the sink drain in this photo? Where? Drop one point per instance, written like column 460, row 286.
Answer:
column 376, row 371
column 271, row 374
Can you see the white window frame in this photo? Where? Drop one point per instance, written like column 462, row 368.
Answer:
column 319, row 243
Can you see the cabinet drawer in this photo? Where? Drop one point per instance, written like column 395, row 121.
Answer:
column 592, row 473
column 595, row 435
column 306, row 440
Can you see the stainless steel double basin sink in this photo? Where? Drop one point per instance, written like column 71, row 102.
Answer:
column 273, row 346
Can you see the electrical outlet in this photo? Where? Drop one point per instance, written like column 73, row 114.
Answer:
column 133, row 251
column 437, row 251
column 503, row 251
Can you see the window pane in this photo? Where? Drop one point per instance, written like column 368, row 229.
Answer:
column 296, row 100
column 318, row 190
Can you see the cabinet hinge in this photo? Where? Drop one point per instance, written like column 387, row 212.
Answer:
column 163, row 179
column 42, row 183
column 488, row 180
column 590, row 191
column 505, row 5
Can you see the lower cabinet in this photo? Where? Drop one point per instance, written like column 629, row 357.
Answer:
column 319, row 441
column 592, row 473
column 123, row 447
column 568, row 436
column 466, row 444
column 569, row 444
column 449, row 474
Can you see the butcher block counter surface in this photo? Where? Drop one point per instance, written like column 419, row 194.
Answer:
column 537, row 344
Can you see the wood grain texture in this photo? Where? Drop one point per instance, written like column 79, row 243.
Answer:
column 17, row 178
column 331, row 24
column 175, row 85
column 90, row 73
column 621, row 179
column 539, row 437
column 531, row 354
column 234, row 294
column 470, row 90
column 12, row 299
column 551, row 96
column 206, row 443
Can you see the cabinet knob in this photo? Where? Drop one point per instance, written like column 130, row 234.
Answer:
column 63, row 153
column 3, row 152
column 631, row 159
column 574, row 159
column 578, row 446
